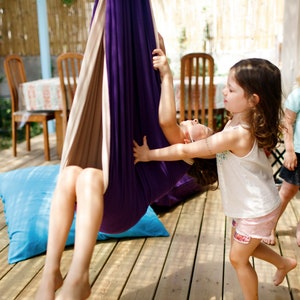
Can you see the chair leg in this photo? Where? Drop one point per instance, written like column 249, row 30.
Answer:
column 27, row 133
column 46, row 140
column 14, row 137
column 59, row 132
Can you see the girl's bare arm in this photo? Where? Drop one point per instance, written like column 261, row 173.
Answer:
column 167, row 107
column 238, row 141
column 290, row 158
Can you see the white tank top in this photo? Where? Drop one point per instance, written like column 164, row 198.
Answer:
column 247, row 186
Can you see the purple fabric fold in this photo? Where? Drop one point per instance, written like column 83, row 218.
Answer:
column 134, row 93
column 119, row 48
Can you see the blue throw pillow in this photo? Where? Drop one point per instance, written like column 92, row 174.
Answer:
column 26, row 195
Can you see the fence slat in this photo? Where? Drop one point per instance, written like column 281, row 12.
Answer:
column 68, row 26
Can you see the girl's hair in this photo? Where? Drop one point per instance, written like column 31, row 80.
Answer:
column 204, row 171
column 259, row 76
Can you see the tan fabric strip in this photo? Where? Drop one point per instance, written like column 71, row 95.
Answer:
column 88, row 133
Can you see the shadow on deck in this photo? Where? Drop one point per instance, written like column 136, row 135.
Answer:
column 192, row 263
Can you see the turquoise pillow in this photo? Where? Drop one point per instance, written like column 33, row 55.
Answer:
column 26, row 195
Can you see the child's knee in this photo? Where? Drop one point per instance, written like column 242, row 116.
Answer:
column 233, row 258
column 90, row 177
column 68, row 176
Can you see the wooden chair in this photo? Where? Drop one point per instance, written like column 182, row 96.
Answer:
column 197, row 90
column 68, row 67
column 15, row 74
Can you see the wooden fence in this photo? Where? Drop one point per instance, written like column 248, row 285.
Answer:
column 68, row 26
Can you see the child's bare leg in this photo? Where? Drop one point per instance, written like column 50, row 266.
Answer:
column 89, row 190
column 239, row 258
column 286, row 193
column 283, row 264
column 61, row 217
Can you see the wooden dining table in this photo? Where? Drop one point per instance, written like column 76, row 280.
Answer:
column 44, row 95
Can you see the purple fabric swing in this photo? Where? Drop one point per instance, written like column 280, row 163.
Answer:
column 120, row 62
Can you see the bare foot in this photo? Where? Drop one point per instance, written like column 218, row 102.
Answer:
column 74, row 290
column 49, row 284
column 290, row 264
column 271, row 239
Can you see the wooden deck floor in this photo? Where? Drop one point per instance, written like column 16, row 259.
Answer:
column 192, row 263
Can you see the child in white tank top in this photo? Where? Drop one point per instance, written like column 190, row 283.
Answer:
column 253, row 98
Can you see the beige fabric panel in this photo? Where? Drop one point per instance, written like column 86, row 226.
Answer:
column 88, row 132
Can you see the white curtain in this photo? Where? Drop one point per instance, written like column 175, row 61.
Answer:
column 291, row 45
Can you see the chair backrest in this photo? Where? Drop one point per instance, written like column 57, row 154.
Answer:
column 15, row 74
column 68, row 67
column 197, row 88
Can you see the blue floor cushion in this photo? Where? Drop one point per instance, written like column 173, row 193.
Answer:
column 26, row 195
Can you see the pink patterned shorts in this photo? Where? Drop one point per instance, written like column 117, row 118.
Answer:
column 257, row 228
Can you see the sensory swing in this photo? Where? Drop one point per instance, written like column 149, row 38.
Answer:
column 116, row 102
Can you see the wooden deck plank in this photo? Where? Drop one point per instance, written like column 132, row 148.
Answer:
column 143, row 284
column 208, row 272
column 232, row 289
column 286, row 236
column 1, row 211
column 3, row 238
column 112, row 279
column 29, row 291
column 101, row 252
column 266, row 271
column 175, row 280
column 2, row 218
column 4, row 241
column 190, row 264
column 5, row 267
column 19, row 277
column 35, row 157
column 295, row 204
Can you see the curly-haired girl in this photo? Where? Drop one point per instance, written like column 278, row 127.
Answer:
column 253, row 97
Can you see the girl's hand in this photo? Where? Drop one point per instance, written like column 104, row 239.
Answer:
column 140, row 153
column 160, row 62
column 290, row 160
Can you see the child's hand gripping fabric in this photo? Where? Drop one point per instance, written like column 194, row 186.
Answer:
column 141, row 153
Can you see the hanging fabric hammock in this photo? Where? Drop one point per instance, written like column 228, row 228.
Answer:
column 116, row 102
